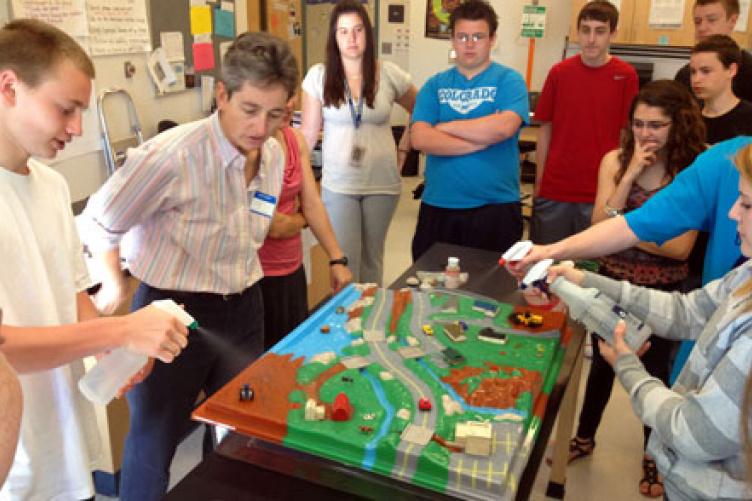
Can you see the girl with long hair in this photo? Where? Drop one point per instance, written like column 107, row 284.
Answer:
column 698, row 425
column 352, row 95
column 664, row 136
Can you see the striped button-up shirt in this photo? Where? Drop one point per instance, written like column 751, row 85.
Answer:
column 183, row 200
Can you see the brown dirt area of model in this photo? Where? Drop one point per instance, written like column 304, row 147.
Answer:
column 494, row 392
column 400, row 300
column 272, row 378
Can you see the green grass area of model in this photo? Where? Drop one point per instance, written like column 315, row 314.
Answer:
column 297, row 396
column 396, row 394
column 309, row 372
column 553, row 370
column 361, row 349
column 436, row 299
column 368, row 309
column 386, row 452
column 340, row 440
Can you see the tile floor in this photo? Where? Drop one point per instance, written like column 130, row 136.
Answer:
column 612, row 472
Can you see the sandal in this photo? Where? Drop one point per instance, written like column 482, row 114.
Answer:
column 651, row 484
column 578, row 448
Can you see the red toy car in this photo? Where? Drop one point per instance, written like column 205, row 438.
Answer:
column 424, row 404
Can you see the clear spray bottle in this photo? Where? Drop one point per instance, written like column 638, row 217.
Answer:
column 113, row 370
column 600, row 314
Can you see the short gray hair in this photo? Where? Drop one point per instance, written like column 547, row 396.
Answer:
column 261, row 59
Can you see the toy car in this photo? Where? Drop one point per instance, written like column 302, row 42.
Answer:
column 428, row 330
column 424, row 404
column 246, row 393
column 527, row 319
column 453, row 356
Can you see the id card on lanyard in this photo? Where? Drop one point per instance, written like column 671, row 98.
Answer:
column 358, row 149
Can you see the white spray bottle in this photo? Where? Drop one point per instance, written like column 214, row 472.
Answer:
column 101, row 383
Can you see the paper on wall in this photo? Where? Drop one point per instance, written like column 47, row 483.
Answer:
column 202, row 38
column 203, row 56
column 666, row 14
column 117, row 27
column 223, row 48
column 200, row 19
column 224, row 23
column 741, row 23
column 207, row 92
column 172, row 43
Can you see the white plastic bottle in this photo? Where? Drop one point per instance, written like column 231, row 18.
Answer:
column 452, row 273
column 102, row 382
column 600, row 314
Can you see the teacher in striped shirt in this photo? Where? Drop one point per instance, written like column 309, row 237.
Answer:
column 196, row 202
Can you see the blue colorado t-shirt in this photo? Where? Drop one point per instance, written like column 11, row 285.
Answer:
column 488, row 176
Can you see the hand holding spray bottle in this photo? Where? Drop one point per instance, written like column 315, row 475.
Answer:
column 113, row 370
column 596, row 311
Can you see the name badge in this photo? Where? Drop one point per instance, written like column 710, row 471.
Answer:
column 263, row 204
column 356, row 155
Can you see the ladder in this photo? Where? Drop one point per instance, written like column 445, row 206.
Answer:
column 115, row 150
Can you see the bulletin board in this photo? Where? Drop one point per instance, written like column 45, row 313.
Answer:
column 175, row 16
column 284, row 19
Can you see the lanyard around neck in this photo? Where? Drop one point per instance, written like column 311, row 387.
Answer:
column 357, row 117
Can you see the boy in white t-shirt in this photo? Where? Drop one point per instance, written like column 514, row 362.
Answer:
column 10, row 411
column 50, row 322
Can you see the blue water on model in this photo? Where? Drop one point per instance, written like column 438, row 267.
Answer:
column 370, row 453
column 302, row 342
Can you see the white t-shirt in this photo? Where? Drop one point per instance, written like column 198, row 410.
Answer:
column 378, row 172
column 42, row 270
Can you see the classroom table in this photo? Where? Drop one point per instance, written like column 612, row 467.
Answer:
column 248, row 468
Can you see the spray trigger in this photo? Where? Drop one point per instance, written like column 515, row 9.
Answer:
column 516, row 252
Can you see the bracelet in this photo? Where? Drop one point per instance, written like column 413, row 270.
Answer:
column 343, row 261
column 611, row 212
column 403, row 151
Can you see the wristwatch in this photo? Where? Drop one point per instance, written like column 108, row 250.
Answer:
column 611, row 212
column 342, row 261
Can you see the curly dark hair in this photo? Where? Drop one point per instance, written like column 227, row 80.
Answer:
column 686, row 139
column 334, row 72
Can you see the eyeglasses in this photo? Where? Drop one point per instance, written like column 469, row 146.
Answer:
column 651, row 126
column 475, row 37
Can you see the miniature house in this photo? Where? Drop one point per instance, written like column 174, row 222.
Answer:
column 313, row 412
column 341, row 409
column 475, row 436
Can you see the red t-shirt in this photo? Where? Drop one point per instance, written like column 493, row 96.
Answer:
column 587, row 108
column 282, row 256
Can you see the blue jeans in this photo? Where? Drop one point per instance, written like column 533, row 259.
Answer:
column 229, row 338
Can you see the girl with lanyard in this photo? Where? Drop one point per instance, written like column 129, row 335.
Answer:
column 352, row 95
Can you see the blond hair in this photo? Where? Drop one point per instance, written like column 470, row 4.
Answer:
column 743, row 162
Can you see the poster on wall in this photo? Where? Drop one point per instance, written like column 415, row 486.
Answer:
column 102, row 27
column 437, row 17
